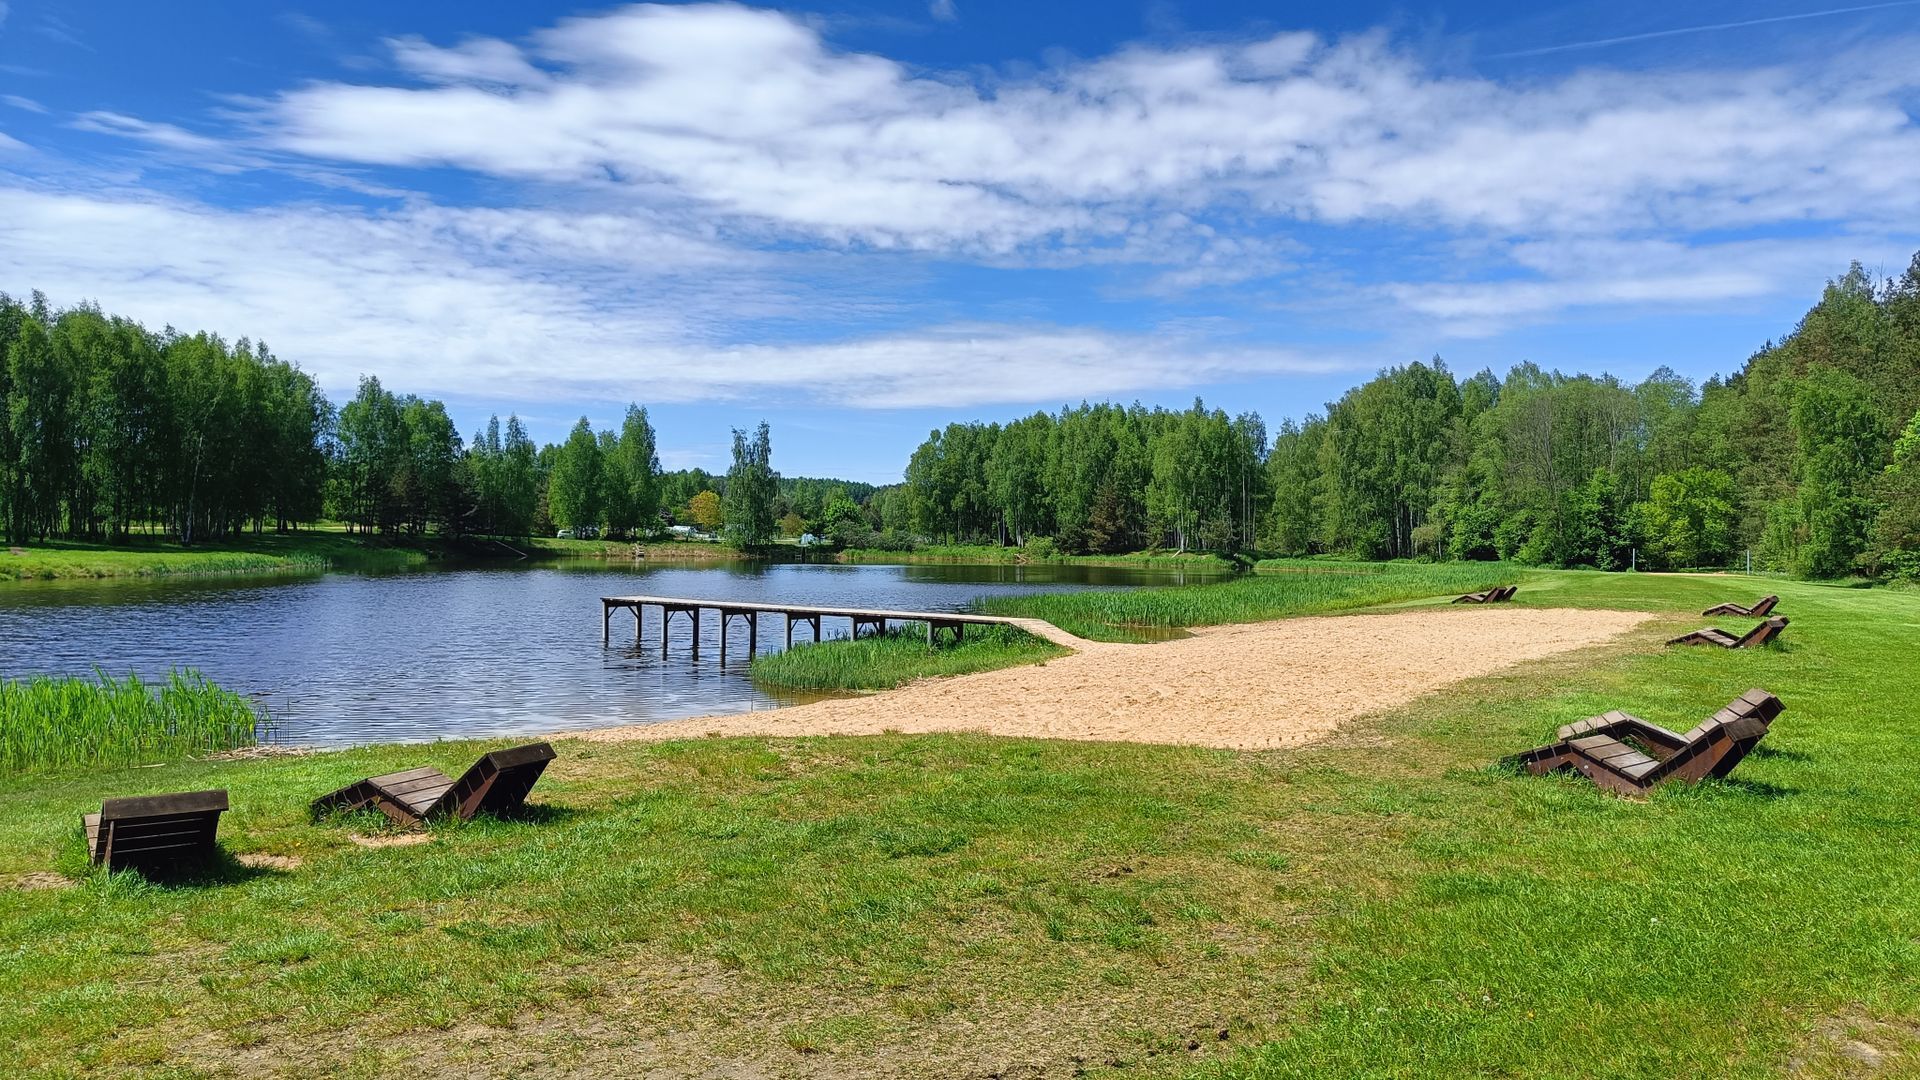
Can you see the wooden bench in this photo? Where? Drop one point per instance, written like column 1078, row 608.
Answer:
column 1623, row 753
column 1713, row 635
column 155, row 833
column 1759, row 610
column 497, row 783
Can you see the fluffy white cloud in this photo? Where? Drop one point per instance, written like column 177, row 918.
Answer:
column 545, row 306
column 713, row 174
column 751, row 114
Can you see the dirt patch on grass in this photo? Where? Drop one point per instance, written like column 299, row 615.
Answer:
column 252, row 753
column 386, row 840
column 676, row 1019
column 1256, row 686
column 260, row 860
column 39, row 879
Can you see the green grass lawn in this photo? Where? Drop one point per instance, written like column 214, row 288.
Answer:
column 146, row 557
column 1142, row 614
column 897, row 657
column 987, row 554
column 1384, row 904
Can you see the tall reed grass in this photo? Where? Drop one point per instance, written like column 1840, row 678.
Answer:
column 50, row 722
column 1135, row 614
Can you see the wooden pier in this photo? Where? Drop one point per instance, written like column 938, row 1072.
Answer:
column 955, row 623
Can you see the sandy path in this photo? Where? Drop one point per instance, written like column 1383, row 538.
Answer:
column 1244, row 687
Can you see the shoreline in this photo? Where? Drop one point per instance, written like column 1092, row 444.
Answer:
column 1193, row 691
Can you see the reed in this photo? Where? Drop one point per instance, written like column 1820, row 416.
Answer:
column 1137, row 614
column 899, row 656
column 51, row 723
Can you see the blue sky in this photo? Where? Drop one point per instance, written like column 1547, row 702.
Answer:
column 859, row 221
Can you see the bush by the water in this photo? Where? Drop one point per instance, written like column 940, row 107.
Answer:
column 899, row 656
column 52, row 722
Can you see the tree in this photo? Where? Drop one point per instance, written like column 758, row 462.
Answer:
column 792, row 525
column 574, row 487
column 705, row 511
column 1842, row 451
column 751, row 489
column 1689, row 518
column 633, row 476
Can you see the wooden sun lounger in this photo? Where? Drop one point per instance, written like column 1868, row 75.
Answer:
column 1713, row 635
column 496, row 783
column 155, row 833
column 1758, row 611
column 1623, row 753
column 1490, row 596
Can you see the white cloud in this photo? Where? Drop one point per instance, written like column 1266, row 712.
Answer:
column 1567, row 275
column 943, row 10
column 19, row 102
column 710, row 164
column 544, row 306
column 11, row 145
column 753, row 117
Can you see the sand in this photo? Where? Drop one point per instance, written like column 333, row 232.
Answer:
column 1254, row 686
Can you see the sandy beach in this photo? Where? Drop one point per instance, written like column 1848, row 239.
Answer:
column 1254, row 686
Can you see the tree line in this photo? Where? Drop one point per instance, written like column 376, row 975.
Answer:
column 1807, row 460
column 109, row 430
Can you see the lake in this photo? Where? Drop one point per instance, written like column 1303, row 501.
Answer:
column 344, row 658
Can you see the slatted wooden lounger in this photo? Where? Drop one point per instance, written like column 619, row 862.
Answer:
column 1713, row 635
column 1758, row 611
column 1490, row 596
column 496, row 783
column 155, row 833
column 1623, row 753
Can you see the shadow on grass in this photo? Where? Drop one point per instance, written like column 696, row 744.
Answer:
column 534, row 814
column 220, row 870
column 1768, row 752
column 373, row 822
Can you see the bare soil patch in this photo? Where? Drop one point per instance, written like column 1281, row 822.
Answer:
column 386, row 840
column 1257, row 686
column 39, row 879
column 260, row 860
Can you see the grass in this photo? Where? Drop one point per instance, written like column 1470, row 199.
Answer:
column 672, row 550
column 1384, row 904
column 989, row 554
column 897, row 657
column 1123, row 615
column 142, row 557
column 59, row 722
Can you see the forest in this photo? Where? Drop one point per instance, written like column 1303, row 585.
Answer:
column 112, row 431
column 1806, row 460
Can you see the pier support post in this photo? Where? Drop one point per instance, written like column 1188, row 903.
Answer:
column 694, row 614
column 666, row 624
column 753, row 633
column 726, row 620
column 789, row 622
column 636, row 624
column 606, row 623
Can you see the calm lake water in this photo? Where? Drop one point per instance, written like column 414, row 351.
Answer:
column 343, row 658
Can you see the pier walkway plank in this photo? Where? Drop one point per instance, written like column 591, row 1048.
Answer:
column 810, row 615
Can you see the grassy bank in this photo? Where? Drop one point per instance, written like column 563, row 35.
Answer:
column 312, row 551
column 992, row 554
column 48, row 723
column 1381, row 905
column 1121, row 615
column 267, row 553
column 666, row 551
column 884, row 661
